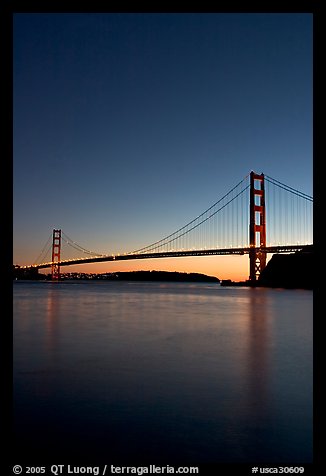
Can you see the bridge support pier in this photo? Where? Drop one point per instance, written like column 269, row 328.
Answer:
column 257, row 226
column 56, row 252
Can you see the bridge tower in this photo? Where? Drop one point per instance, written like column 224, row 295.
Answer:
column 257, row 226
column 56, row 252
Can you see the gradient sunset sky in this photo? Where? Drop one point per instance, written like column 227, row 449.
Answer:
column 127, row 126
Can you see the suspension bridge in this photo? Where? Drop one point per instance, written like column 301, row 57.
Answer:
column 258, row 216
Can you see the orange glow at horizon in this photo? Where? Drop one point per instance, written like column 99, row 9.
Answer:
column 232, row 267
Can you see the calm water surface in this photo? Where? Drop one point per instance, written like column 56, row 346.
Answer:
column 162, row 373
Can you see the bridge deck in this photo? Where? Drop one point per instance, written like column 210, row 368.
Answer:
column 174, row 254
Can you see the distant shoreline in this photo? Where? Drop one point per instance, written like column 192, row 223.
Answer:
column 147, row 276
column 163, row 276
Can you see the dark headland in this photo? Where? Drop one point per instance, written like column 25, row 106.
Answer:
column 291, row 271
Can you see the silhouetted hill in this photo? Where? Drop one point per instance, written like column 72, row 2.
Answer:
column 163, row 276
column 294, row 270
column 33, row 274
column 26, row 273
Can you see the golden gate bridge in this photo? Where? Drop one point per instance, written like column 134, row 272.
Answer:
column 258, row 216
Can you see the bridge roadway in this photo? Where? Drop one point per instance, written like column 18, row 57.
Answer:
column 174, row 254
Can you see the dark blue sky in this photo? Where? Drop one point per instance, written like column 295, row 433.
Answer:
column 127, row 126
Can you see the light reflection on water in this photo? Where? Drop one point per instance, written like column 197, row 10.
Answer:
column 163, row 372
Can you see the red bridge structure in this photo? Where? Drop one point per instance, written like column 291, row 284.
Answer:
column 234, row 225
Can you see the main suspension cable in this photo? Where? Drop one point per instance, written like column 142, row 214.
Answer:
column 288, row 188
column 177, row 232
column 38, row 259
column 75, row 245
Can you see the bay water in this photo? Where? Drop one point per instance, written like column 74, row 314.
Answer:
column 167, row 373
